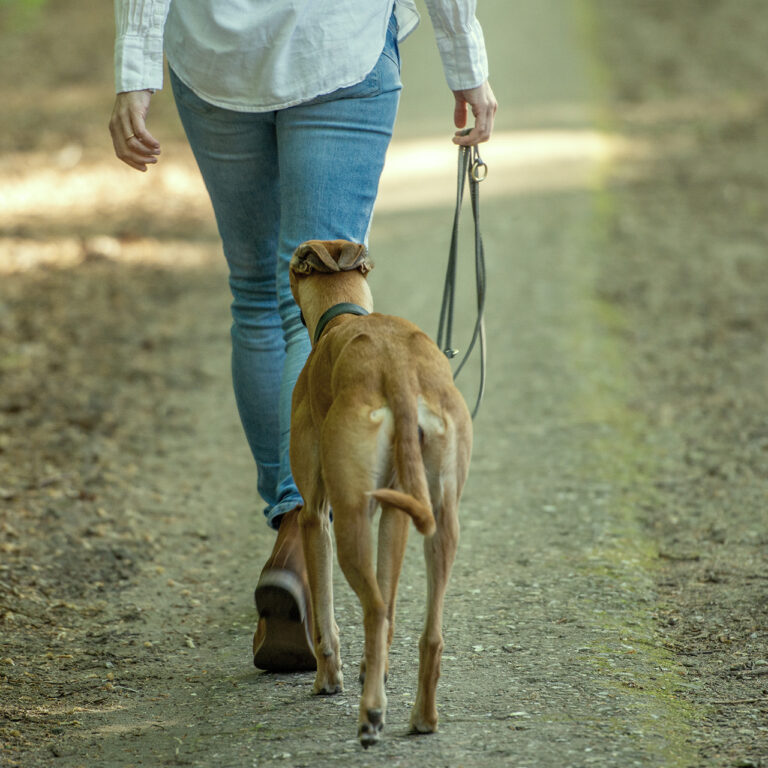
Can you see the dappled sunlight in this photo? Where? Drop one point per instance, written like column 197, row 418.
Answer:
column 63, row 188
column 608, row 602
column 19, row 254
column 422, row 173
column 60, row 209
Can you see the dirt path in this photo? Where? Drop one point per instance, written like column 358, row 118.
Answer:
column 609, row 602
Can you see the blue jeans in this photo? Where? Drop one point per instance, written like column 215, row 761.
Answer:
column 275, row 180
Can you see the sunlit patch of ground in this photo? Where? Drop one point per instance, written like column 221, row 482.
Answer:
column 61, row 209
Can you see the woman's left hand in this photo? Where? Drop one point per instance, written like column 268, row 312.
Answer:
column 483, row 104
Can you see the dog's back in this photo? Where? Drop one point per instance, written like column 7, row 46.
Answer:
column 391, row 380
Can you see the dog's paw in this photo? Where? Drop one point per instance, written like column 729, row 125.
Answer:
column 328, row 685
column 369, row 731
column 421, row 724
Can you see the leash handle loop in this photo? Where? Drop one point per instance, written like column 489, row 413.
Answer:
column 445, row 328
column 473, row 169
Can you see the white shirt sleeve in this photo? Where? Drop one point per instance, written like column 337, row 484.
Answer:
column 460, row 42
column 139, row 44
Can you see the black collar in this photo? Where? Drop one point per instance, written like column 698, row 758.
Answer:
column 345, row 308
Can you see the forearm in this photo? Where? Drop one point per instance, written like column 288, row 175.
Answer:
column 460, row 42
column 139, row 44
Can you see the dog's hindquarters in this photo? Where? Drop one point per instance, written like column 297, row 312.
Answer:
column 362, row 448
column 414, row 421
column 439, row 469
column 430, row 456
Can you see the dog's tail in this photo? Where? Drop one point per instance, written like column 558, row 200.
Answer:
column 411, row 475
column 420, row 513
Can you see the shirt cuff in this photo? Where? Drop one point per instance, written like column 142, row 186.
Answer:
column 138, row 63
column 464, row 58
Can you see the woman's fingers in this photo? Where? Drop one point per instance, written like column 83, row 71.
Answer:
column 133, row 143
column 483, row 104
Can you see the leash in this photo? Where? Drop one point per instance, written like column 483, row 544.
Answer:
column 474, row 170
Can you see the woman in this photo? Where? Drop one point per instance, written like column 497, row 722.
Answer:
column 288, row 106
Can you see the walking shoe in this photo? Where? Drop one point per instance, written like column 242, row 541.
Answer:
column 283, row 638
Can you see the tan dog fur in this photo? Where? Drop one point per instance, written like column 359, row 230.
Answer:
column 376, row 420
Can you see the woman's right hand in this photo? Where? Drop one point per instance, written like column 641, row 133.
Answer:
column 133, row 143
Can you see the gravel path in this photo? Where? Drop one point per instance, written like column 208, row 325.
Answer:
column 608, row 604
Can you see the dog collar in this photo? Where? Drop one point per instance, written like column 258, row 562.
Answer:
column 345, row 308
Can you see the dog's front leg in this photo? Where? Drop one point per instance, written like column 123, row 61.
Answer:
column 318, row 553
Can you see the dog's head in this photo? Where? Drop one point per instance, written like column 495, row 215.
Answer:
column 329, row 256
column 328, row 272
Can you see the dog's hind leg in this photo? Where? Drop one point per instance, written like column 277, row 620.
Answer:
column 439, row 553
column 352, row 526
column 318, row 553
column 393, row 537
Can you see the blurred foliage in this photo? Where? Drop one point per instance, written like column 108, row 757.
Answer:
column 17, row 15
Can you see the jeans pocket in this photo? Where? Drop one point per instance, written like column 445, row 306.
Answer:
column 369, row 86
column 384, row 77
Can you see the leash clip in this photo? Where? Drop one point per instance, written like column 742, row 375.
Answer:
column 450, row 353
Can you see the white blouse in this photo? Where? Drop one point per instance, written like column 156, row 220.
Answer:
column 261, row 55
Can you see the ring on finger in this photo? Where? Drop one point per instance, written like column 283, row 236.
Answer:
column 132, row 136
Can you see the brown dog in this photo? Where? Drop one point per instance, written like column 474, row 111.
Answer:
column 376, row 420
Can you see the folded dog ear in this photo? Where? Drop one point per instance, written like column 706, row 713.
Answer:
column 331, row 256
column 313, row 256
column 354, row 256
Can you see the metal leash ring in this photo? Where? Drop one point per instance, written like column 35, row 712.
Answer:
column 478, row 170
